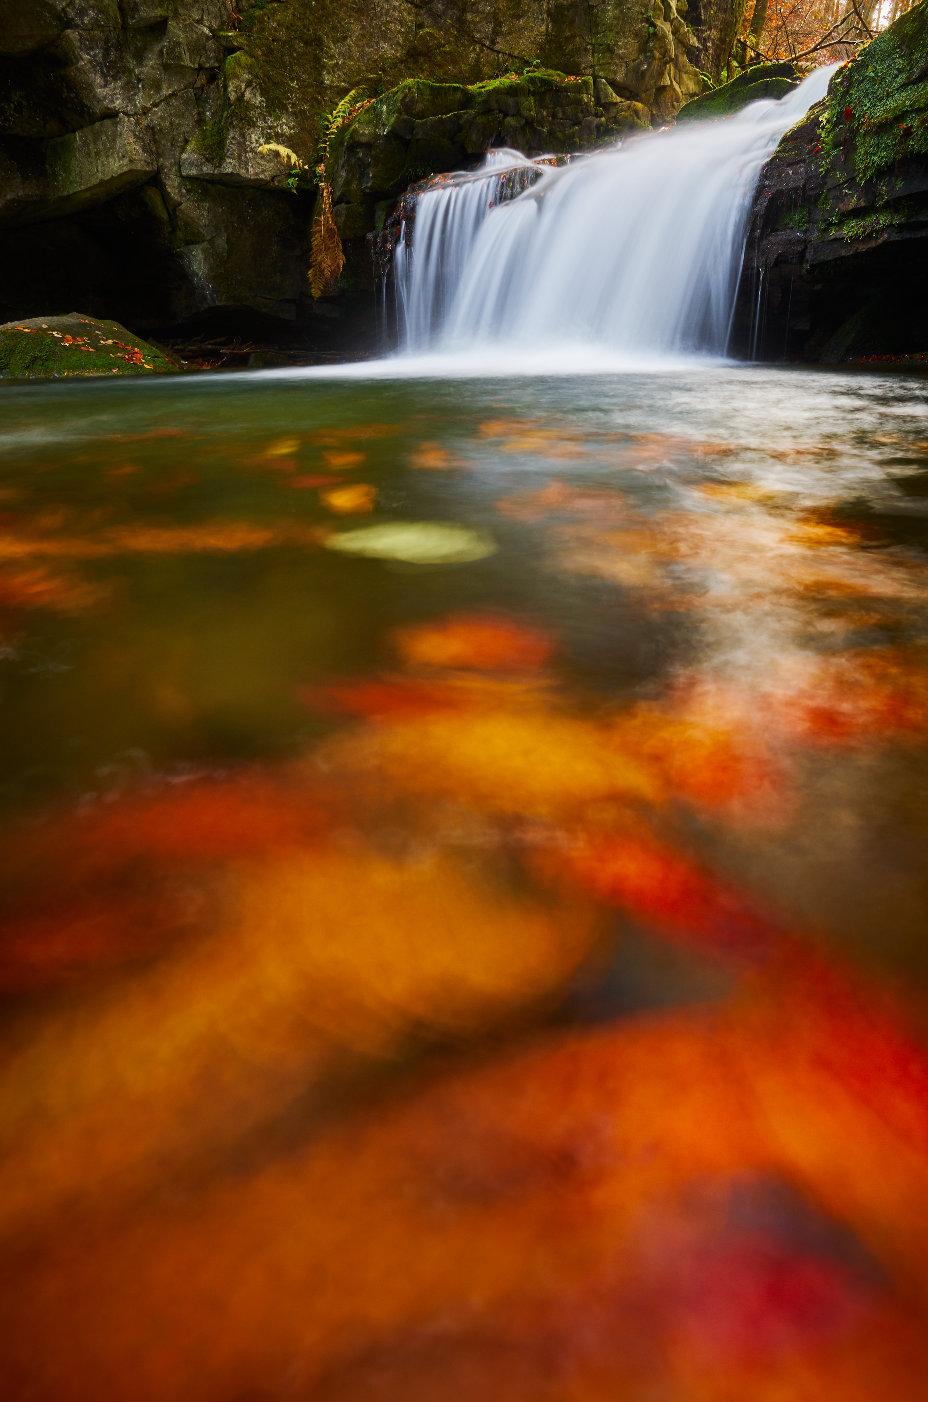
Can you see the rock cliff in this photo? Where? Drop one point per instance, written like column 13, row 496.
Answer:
column 156, row 156
column 836, row 262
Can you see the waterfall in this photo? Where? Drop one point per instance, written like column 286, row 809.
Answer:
column 637, row 248
column 447, row 218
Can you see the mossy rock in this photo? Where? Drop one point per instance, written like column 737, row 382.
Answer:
column 75, row 346
column 762, row 80
column 421, row 127
column 412, row 101
column 839, row 226
column 876, row 113
column 759, row 73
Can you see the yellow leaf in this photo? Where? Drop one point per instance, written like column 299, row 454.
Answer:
column 355, row 500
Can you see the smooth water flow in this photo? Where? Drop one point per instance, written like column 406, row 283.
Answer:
column 447, row 221
column 638, row 249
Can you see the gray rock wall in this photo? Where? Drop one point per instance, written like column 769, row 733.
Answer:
column 143, row 172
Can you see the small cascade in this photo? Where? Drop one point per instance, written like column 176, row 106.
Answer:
column 638, row 248
column 444, row 217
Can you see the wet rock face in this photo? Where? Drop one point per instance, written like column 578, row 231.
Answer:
column 716, row 24
column 836, row 263
column 132, row 182
column 148, row 148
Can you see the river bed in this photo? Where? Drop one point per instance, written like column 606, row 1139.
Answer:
column 462, row 926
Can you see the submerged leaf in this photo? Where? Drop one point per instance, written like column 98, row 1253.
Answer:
column 355, row 500
column 505, row 754
column 689, row 1206
column 309, row 965
column 481, row 641
column 416, row 542
column 431, row 457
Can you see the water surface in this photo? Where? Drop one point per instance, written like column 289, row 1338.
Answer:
column 584, row 813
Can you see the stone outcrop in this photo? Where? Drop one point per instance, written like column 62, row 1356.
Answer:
column 100, row 203
column 644, row 49
column 837, row 258
column 72, row 347
column 717, row 24
column 772, row 80
column 156, row 156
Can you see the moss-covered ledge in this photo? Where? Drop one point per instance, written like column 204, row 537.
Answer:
column 761, row 80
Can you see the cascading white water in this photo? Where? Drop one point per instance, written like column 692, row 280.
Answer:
column 638, row 248
column 447, row 221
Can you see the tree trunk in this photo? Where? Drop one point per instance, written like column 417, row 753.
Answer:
column 758, row 19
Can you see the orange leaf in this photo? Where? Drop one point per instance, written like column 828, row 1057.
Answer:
column 482, row 641
column 358, row 499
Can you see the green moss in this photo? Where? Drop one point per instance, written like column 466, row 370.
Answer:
column 762, row 80
column 877, row 111
column 252, row 13
column 795, row 219
column 872, row 224
column 421, row 101
column 210, row 140
column 72, row 347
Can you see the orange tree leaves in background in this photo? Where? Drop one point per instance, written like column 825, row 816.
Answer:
column 822, row 31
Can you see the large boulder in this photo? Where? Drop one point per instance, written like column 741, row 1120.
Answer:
column 771, row 80
column 716, row 24
column 74, row 346
column 837, row 259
